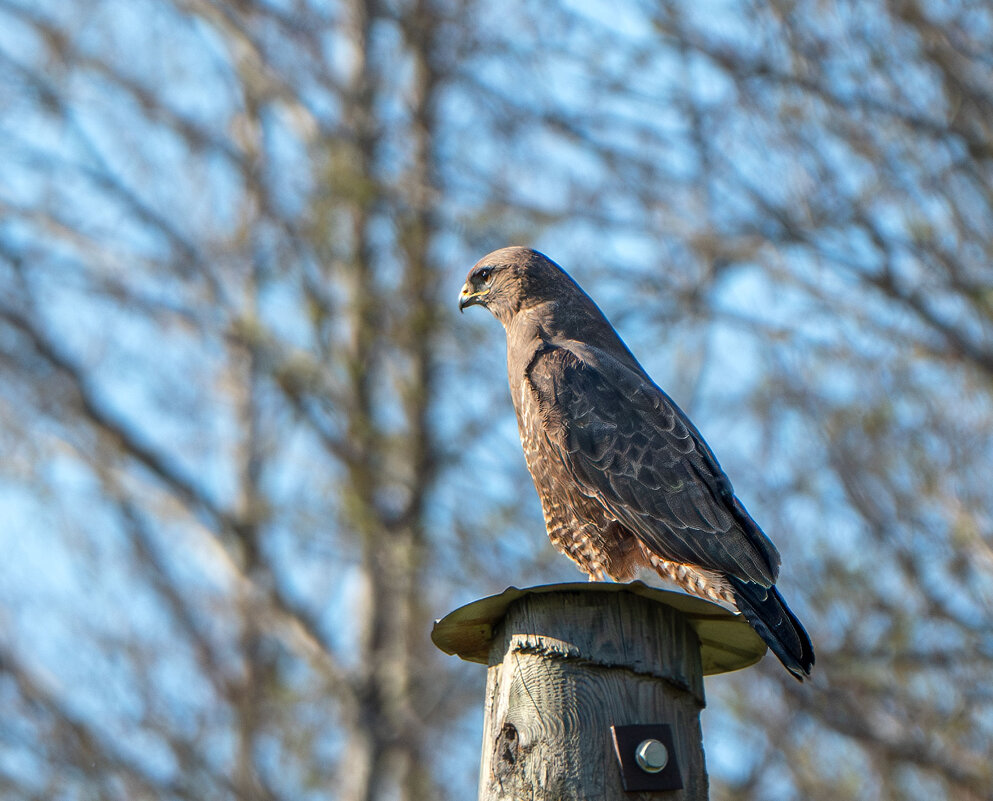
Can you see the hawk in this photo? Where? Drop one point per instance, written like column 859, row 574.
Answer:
column 626, row 481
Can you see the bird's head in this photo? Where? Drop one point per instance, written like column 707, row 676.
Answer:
column 508, row 280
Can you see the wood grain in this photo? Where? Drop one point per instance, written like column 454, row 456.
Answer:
column 564, row 668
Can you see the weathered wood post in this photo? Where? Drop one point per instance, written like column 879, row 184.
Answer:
column 594, row 690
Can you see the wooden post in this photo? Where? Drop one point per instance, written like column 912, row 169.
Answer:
column 569, row 662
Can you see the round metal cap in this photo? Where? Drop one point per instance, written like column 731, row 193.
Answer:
column 651, row 756
column 727, row 642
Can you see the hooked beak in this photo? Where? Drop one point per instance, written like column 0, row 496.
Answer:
column 469, row 298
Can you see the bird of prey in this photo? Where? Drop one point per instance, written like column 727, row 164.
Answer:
column 626, row 481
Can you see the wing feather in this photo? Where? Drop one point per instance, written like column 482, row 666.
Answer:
column 628, row 445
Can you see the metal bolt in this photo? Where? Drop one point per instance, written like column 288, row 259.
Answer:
column 651, row 756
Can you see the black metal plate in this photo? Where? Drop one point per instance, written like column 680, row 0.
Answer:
column 634, row 779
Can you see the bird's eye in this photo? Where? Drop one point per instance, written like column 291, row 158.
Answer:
column 485, row 275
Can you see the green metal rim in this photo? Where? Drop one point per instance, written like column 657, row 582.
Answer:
column 727, row 642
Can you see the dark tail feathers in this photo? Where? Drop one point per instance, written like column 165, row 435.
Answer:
column 767, row 612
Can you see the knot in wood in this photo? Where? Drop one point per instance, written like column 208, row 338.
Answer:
column 506, row 754
column 507, row 743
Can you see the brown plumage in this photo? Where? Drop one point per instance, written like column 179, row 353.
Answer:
column 626, row 481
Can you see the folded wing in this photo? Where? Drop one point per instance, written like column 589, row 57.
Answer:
column 627, row 445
